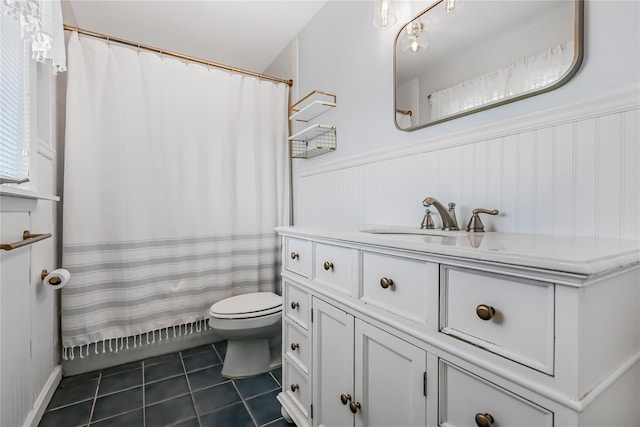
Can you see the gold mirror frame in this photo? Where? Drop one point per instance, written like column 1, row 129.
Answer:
column 578, row 34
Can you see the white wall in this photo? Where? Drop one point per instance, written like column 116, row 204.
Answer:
column 29, row 321
column 562, row 163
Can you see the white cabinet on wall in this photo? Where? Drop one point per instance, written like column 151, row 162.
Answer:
column 415, row 330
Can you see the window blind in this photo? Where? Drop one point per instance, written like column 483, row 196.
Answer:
column 14, row 100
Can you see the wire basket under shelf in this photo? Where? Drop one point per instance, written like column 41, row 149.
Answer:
column 313, row 141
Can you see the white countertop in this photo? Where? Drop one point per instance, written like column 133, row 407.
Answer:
column 573, row 255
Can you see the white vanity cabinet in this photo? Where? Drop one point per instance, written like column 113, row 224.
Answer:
column 464, row 330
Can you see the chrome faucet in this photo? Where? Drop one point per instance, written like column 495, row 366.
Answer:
column 449, row 221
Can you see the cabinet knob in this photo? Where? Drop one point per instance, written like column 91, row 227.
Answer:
column 294, row 387
column 485, row 312
column 354, row 406
column 294, row 305
column 345, row 398
column 484, row 420
column 385, row 283
column 294, row 346
column 328, row 265
column 295, row 255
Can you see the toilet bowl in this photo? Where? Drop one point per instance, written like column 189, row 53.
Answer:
column 252, row 325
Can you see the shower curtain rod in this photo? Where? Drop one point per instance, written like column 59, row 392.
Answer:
column 176, row 55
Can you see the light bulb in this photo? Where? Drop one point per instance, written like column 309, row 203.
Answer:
column 413, row 43
column 450, row 5
column 383, row 16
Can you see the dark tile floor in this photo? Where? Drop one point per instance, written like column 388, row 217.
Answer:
column 179, row 389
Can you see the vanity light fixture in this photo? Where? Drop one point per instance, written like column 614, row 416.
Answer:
column 383, row 14
column 414, row 41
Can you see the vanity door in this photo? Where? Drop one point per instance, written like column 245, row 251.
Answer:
column 364, row 376
column 390, row 379
column 332, row 373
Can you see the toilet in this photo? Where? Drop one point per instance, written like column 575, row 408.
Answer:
column 252, row 325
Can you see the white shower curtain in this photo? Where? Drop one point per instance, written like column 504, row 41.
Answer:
column 175, row 178
column 515, row 79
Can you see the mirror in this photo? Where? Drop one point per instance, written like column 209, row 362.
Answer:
column 463, row 56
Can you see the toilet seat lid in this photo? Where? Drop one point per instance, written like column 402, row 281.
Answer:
column 248, row 305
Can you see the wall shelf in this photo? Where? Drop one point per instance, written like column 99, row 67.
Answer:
column 311, row 106
column 313, row 141
column 316, row 139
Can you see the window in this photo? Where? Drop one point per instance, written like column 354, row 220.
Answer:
column 14, row 100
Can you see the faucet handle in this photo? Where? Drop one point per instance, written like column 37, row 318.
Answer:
column 427, row 221
column 475, row 224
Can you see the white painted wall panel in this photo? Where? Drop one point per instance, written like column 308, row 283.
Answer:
column 585, row 176
column 563, row 174
column 631, row 176
column 543, row 181
column 525, row 197
column 609, row 203
column 579, row 177
column 15, row 323
column 509, row 181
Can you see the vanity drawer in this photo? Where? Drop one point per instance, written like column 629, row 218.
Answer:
column 297, row 305
column 400, row 285
column 296, row 386
column 464, row 396
column 296, row 345
column 506, row 315
column 336, row 267
column 297, row 256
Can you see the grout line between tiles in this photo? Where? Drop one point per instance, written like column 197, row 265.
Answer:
column 274, row 378
column 144, row 403
column 95, row 398
column 272, row 422
column 193, row 401
column 255, row 423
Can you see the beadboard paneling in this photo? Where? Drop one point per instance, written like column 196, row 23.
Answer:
column 15, row 323
column 575, row 176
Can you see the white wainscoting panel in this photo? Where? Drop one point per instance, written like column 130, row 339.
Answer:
column 15, row 322
column 572, row 171
column 29, row 323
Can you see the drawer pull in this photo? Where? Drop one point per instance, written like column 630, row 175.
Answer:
column 485, row 312
column 294, row 305
column 354, row 406
column 294, row 346
column 295, row 255
column 385, row 283
column 484, row 420
column 328, row 265
column 345, row 398
column 294, row 387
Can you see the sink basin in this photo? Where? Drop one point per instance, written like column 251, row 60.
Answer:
column 409, row 230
